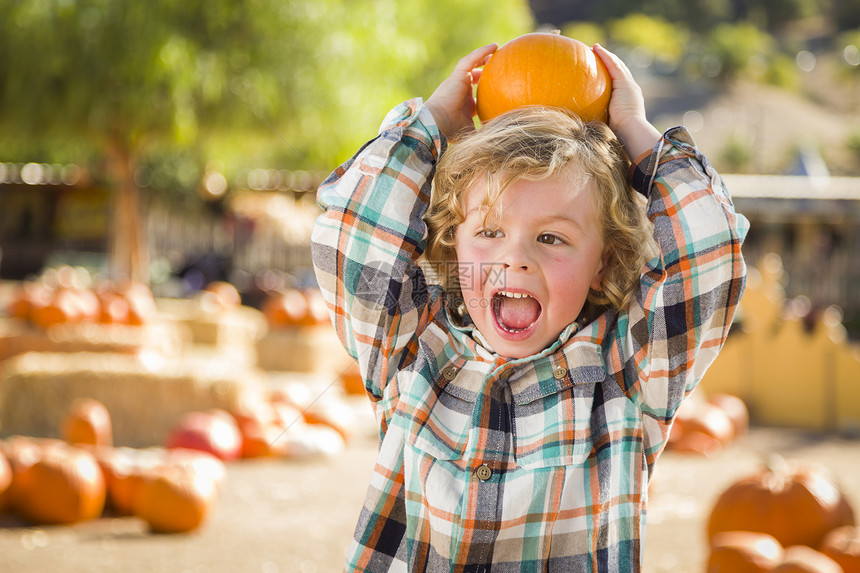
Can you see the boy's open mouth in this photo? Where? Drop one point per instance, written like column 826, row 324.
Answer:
column 515, row 312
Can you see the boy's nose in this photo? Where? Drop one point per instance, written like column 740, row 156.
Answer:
column 517, row 257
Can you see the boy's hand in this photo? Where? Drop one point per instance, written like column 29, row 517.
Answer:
column 627, row 107
column 452, row 104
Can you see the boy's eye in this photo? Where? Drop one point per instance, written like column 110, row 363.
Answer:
column 490, row 233
column 549, row 239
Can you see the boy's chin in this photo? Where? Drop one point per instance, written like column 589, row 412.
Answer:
column 518, row 349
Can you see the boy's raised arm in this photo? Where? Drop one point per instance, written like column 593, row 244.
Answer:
column 366, row 244
column 627, row 107
column 452, row 104
column 687, row 297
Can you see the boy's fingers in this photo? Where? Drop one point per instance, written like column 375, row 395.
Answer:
column 476, row 58
column 614, row 65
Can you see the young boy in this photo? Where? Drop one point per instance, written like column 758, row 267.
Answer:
column 523, row 402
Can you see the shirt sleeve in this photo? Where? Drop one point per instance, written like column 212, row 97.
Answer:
column 689, row 292
column 366, row 244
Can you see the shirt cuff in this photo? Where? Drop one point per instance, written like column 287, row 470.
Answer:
column 412, row 119
column 643, row 170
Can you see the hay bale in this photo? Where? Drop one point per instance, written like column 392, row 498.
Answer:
column 233, row 330
column 145, row 394
column 19, row 337
column 315, row 349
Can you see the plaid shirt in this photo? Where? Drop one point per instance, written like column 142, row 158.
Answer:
column 536, row 464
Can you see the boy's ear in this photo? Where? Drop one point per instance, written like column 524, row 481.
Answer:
column 597, row 280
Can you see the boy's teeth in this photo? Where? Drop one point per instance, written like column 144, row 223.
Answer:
column 513, row 294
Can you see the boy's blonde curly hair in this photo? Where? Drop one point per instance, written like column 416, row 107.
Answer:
column 535, row 143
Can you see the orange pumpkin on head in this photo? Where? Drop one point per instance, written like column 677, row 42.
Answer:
column 544, row 69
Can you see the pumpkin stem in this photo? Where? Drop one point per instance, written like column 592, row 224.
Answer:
column 777, row 464
column 556, row 32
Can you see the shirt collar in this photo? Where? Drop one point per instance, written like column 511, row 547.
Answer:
column 466, row 335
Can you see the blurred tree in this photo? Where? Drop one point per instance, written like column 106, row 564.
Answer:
column 656, row 37
column 697, row 15
column 737, row 154
column 848, row 43
column 739, row 48
column 774, row 14
column 852, row 143
column 782, row 71
column 845, row 14
column 299, row 82
column 587, row 32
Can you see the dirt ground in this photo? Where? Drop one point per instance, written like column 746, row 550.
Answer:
column 278, row 516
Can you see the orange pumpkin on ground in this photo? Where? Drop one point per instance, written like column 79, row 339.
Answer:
column 125, row 470
column 22, row 301
column 87, row 422
column 334, row 413
column 141, row 304
column 311, row 440
column 176, row 501
column 352, row 381
column 214, row 431
column 700, row 428
column 5, row 480
column 118, row 466
column 198, row 463
column 796, row 503
column 803, row 559
column 709, row 419
column 735, row 408
column 544, row 69
column 22, row 452
column 285, row 308
column 259, row 433
column 113, row 308
column 65, row 485
column 226, row 295
column 89, row 304
column 63, row 306
column 690, row 441
column 289, row 420
column 743, row 552
column 843, row 546
column 317, row 309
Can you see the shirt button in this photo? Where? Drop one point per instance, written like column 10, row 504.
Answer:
column 559, row 372
column 449, row 373
column 484, row 472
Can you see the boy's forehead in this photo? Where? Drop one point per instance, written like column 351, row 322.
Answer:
column 488, row 187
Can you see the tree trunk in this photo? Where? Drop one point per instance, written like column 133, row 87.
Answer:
column 128, row 253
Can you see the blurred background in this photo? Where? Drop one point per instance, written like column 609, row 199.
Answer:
column 177, row 145
column 180, row 142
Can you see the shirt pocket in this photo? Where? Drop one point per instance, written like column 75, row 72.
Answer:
column 440, row 427
column 552, row 426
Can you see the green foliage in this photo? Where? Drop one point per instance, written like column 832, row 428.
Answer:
column 588, row 33
column 848, row 43
column 654, row 36
column 736, row 155
column 853, row 144
column 845, row 14
column 773, row 14
column 381, row 52
column 782, row 72
column 698, row 15
column 739, row 48
column 297, row 82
